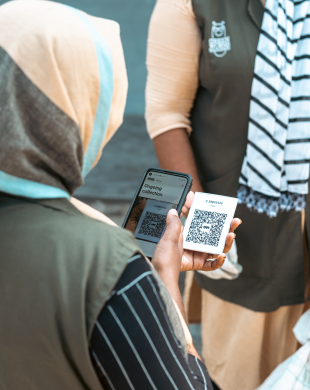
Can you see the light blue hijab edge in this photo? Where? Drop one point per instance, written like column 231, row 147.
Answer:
column 17, row 186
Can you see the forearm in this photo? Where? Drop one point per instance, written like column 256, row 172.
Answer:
column 173, row 288
column 174, row 152
column 175, row 294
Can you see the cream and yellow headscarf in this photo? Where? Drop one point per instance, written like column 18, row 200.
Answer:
column 63, row 88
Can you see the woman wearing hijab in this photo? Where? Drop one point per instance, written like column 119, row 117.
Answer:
column 227, row 101
column 81, row 307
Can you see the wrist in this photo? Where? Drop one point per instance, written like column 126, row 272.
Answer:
column 170, row 279
column 169, row 276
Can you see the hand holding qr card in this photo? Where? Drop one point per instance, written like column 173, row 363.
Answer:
column 208, row 223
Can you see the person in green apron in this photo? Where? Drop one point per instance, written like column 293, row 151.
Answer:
column 227, row 100
column 81, row 307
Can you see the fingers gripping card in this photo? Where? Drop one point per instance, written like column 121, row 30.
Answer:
column 208, row 223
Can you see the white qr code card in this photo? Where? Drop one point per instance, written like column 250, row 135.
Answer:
column 208, row 223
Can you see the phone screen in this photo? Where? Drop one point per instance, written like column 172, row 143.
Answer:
column 159, row 193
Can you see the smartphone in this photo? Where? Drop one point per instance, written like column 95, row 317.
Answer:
column 158, row 192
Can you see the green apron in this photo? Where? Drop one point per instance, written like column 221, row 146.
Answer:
column 57, row 268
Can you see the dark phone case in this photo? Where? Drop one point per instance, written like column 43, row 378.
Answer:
column 183, row 197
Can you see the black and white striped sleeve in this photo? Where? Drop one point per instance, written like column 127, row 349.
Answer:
column 133, row 345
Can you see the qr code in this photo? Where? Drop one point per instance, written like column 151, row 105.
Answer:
column 153, row 224
column 206, row 227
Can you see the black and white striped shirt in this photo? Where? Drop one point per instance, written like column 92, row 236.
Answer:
column 133, row 345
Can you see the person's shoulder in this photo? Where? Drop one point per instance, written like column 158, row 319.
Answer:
column 96, row 226
column 92, row 233
column 65, row 220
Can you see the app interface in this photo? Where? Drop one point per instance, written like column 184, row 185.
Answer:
column 159, row 193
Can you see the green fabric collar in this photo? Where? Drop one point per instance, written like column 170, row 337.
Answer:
column 60, row 204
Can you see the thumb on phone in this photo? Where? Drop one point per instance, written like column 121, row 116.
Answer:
column 173, row 227
column 168, row 253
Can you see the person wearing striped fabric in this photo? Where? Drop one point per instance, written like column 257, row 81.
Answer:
column 81, row 307
column 227, row 100
column 133, row 344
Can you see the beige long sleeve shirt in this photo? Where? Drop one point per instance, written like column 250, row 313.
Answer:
column 174, row 46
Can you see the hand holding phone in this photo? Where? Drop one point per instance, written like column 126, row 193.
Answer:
column 158, row 192
column 170, row 258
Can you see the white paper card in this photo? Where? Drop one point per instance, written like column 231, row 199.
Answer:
column 208, row 222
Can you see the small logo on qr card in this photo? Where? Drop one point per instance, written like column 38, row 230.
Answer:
column 219, row 43
column 206, row 227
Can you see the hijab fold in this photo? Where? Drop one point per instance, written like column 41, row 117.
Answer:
column 63, row 88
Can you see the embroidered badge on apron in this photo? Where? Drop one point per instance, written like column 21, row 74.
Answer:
column 219, row 43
